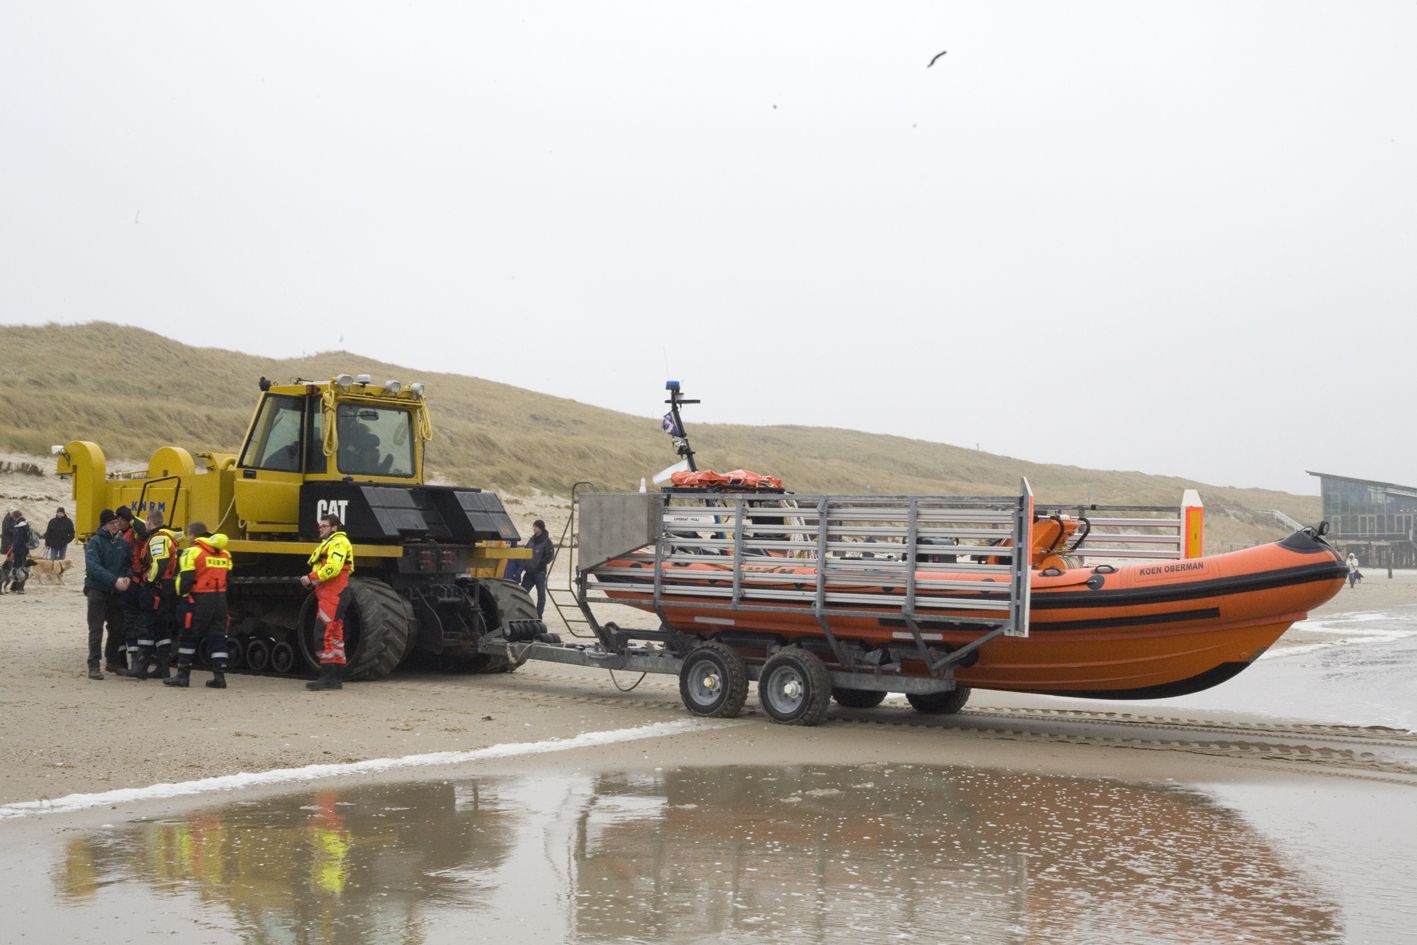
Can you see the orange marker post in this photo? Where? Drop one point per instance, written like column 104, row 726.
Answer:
column 1192, row 525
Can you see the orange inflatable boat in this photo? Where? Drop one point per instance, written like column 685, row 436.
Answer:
column 1137, row 631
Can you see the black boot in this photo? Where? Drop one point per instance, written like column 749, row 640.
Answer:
column 218, row 680
column 141, row 659
column 329, row 678
column 183, row 679
column 162, row 658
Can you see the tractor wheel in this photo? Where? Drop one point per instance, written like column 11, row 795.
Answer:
column 501, row 601
column 258, row 655
column 376, row 630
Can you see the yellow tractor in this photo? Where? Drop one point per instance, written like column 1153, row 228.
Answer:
column 428, row 558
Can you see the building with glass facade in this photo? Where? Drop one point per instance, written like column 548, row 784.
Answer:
column 1377, row 521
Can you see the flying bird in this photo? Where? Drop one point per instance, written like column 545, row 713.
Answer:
column 937, row 56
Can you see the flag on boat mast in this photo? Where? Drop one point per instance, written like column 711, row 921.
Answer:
column 664, row 474
column 670, row 424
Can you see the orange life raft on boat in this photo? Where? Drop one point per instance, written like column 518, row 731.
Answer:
column 1140, row 631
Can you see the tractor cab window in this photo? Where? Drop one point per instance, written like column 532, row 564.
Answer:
column 374, row 441
column 314, row 436
column 275, row 436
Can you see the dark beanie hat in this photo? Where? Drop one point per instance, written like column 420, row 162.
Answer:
column 125, row 512
column 105, row 517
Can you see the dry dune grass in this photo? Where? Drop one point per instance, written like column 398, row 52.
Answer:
column 131, row 390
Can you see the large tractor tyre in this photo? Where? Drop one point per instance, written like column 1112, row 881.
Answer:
column 501, row 601
column 939, row 703
column 377, row 630
column 857, row 698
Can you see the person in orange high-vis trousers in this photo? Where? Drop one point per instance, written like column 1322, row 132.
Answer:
column 330, row 567
column 200, row 587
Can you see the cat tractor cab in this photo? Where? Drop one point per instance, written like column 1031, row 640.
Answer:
column 428, row 559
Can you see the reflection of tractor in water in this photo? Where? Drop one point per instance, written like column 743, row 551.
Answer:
column 427, row 558
column 354, row 865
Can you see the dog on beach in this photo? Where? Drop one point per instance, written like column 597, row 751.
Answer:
column 49, row 571
column 12, row 579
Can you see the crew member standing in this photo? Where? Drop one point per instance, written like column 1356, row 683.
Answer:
column 330, row 568
column 156, row 598
column 135, row 533
column 200, row 587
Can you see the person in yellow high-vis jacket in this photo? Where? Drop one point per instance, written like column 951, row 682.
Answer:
column 330, row 567
column 156, row 599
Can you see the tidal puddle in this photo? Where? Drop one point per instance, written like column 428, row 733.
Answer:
column 739, row 854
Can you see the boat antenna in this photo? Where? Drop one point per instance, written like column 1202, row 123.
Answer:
column 673, row 424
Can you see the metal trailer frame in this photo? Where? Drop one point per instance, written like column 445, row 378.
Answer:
column 842, row 534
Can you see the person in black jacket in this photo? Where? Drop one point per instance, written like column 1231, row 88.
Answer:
column 8, row 529
column 18, row 555
column 108, row 561
column 542, row 554
column 57, row 535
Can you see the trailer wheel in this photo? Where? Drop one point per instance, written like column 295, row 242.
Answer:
column 939, row 703
column 713, row 681
column 795, row 688
column 858, row 698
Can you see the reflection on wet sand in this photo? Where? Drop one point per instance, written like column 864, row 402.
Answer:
column 809, row 853
column 337, row 866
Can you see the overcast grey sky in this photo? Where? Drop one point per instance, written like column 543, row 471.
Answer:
column 1176, row 238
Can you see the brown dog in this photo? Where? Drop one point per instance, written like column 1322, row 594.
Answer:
column 49, row 572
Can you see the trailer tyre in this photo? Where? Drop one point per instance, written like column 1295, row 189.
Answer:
column 795, row 687
column 939, row 703
column 858, row 698
column 713, row 681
